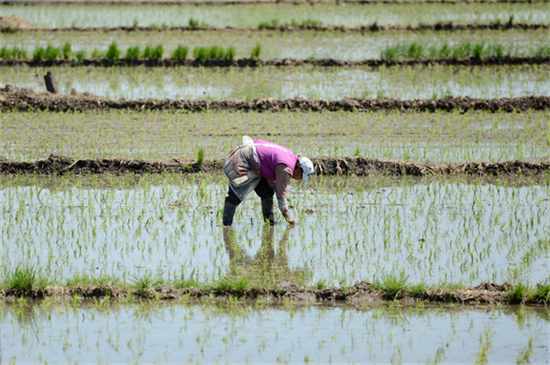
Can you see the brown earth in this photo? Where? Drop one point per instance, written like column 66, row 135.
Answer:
column 448, row 27
column 324, row 165
column 13, row 22
column 21, row 99
column 284, row 62
column 257, row 2
column 361, row 293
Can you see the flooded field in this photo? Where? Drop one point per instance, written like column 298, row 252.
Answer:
column 126, row 266
column 106, row 333
column 434, row 233
column 253, row 15
column 275, row 44
column 283, row 83
column 423, row 137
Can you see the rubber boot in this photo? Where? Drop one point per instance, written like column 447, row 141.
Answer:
column 228, row 213
column 267, row 210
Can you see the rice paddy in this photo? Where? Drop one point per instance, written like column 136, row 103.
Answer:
column 275, row 44
column 406, row 82
column 253, row 15
column 103, row 332
column 381, row 269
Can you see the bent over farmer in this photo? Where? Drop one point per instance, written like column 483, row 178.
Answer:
column 266, row 168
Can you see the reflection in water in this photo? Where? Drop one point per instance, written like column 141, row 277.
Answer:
column 269, row 265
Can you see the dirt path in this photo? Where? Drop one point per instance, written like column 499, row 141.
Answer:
column 324, row 165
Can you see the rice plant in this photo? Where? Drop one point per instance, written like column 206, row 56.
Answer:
column 13, row 53
column 151, row 52
column 200, row 156
column 132, row 53
column 193, row 22
column 180, row 53
column 113, row 53
column 67, row 51
column 39, row 53
column 255, row 51
column 52, row 53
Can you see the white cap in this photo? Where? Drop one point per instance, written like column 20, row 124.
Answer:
column 307, row 168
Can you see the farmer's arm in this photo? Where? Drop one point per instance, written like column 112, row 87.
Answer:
column 283, row 174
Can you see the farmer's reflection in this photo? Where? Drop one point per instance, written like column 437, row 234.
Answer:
column 269, row 265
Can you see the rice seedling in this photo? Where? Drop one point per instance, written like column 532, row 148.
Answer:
column 193, row 22
column 255, row 51
column 67, row 51
column 14, row 53
column 200, row 156
column 180, row 53
column 51, row 53
column 153, row 51
column 113, row 53
column 132, row 53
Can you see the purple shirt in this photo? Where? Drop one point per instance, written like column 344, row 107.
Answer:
column 272, row 154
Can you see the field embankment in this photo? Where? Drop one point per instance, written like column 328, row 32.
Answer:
column 324, row 165
column 251, row 2
column 23, row 26
column 277, row 62
column 360, row 293
column 20, row 99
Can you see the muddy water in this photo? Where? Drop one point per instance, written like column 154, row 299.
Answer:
column 212, row 334
column 433, row 234
column 270, row 82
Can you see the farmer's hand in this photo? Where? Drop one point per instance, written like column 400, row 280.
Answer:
column 291, row 221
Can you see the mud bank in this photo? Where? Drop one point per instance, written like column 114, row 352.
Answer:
column 447, row 27
column 251, row 2
column 280, row 62
column 324, row 165
column 28, row 100
column 361, row 293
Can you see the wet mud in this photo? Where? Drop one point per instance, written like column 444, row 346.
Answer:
column 13, row 24
column 28, row 100
column 251, row 2
column 323, row 165
column 360, row 293
column 279, row 62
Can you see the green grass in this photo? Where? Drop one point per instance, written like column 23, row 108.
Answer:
column 518, row 293
column 391, row 284
column 233, row 285
column 25, row 278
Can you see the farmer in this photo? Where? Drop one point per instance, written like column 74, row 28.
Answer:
column 266, row 168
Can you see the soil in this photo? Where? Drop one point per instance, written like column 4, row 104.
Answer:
column 447, row 27
column 258, row 2
column 324, row 165
column 13, row 22
column 360, row 293
column 21, row 99
column 278, row 62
